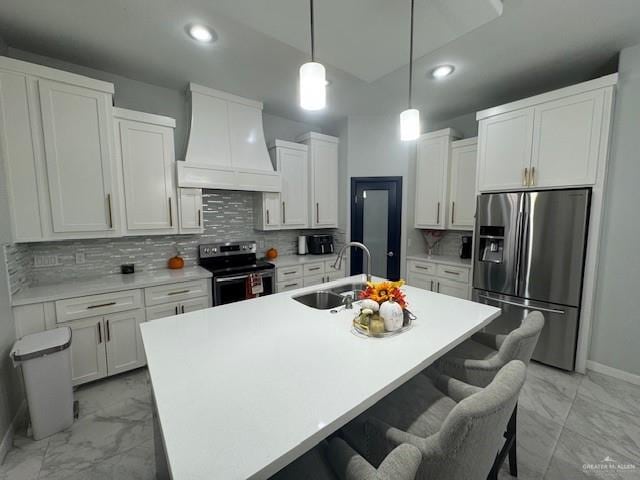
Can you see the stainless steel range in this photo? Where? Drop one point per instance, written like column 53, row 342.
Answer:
column 234, row 267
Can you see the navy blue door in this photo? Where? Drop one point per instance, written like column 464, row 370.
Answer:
column 376, row 221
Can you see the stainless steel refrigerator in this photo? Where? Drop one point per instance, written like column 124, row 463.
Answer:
column 530, row 250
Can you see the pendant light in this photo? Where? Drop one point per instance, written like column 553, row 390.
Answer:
column 313, row 81
column 410, row 118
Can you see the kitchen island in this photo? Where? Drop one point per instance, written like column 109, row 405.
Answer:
column 241, row 390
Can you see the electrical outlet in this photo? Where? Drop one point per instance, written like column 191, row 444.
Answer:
column 261, row 244
column 80, row 258
column 42, row 261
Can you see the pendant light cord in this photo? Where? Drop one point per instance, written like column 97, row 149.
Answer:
column 313, row 49
column 410, row 52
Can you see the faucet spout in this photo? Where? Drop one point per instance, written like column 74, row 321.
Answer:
column 338, row 263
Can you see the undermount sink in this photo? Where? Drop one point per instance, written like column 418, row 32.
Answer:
column 349, row 288
column 320, row 300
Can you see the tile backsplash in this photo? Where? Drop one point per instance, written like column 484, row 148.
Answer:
column 228, row 216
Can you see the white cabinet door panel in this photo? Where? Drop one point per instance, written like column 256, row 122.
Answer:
column 295, row 200
column 191, row 213
column 463, row 187
column 431, row 182
column 426, row 282
column 505, row 150
column 324, row 207
column 566, row 140
column 454, row 289
column 310, row 280
column 271, row 210
column 124, row 341
column 88, row 354
column 77, row 131
column 148, row 165
column 162, row 311
column 194, row 305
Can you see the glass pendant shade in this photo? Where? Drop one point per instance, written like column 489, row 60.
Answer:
column 409, row 125
column 313, row 86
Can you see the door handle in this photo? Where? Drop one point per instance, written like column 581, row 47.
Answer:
column 525, row 178
column 199, row 218
column 522, row 305
column 108, row 332
column 532, row 178
column 438, row 215
column 284, row 213
column 431, row 286
column 453, row 209
column 182, row 308
column 109, row 208
column 438, row 288
column 317, row 213
column 268, row 217
column 170, row 213
column 390, row 254
column 99, row 334
column 176, row 309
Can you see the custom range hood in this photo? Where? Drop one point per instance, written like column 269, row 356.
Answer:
column 226, row 148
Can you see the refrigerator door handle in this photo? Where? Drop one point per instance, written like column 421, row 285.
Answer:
column 518, row 251
column 522, row 305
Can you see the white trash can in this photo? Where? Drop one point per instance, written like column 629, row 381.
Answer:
column 46, row 367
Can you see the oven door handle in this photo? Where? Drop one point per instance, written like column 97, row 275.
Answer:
column 240, row 277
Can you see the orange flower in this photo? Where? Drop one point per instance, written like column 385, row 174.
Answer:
column 383, row 291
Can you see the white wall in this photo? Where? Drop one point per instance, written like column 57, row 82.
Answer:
column 616, row 331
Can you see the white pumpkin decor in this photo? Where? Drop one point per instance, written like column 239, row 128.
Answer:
column 371, row 304
column 392, row 315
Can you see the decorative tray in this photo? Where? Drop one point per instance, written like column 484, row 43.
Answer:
column 361, row 331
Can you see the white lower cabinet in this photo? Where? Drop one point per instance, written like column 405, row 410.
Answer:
column 453, row 280
column 124, row 341
column 307, row 274
column 88, row 353
column 106, row 337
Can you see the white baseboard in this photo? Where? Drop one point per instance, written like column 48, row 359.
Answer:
column 613, row 372
column 7, row 439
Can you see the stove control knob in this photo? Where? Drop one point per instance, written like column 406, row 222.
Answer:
column 206, row 251
column 214, row 250
column 244, row 247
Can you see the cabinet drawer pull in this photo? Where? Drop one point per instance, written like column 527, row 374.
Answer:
column 291, row 272
column 290, row 285
column 109, row 208
column 110, row 304
column 170, row 214
column 178, row 292
column 99, row 334
column 420, row 267
column 108, row 332
column 525, row 179
column 314, row 269
column 451, row 273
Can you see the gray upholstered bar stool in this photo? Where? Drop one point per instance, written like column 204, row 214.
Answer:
column 457, row 427
column 478, row 360
column 336, row 460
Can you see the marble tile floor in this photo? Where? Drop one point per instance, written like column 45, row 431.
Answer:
column 567, row 425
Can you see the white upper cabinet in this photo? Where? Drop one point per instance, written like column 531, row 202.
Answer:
column 21, row 162
column 566, row 140
column 505, row 150
column 552, row 140
column 76, row 124
column 462, row 184
column 323, row 179
column 288, row 209
column 191, row 216
column 432, row 169
column 145, row 146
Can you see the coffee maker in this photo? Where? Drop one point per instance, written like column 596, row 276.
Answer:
column 466, row 247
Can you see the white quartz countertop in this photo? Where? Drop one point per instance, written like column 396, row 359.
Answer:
column 442, row 259
column 291, row 260
column 244, row 389
column 106, row 284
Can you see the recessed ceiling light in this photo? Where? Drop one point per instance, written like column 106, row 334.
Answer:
column 202, row 34
column 442, row 71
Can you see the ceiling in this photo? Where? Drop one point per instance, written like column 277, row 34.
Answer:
column 535, row 45
column 366, row 38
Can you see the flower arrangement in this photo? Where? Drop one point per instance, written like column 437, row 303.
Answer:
column 383, row 291
column 382, row 307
